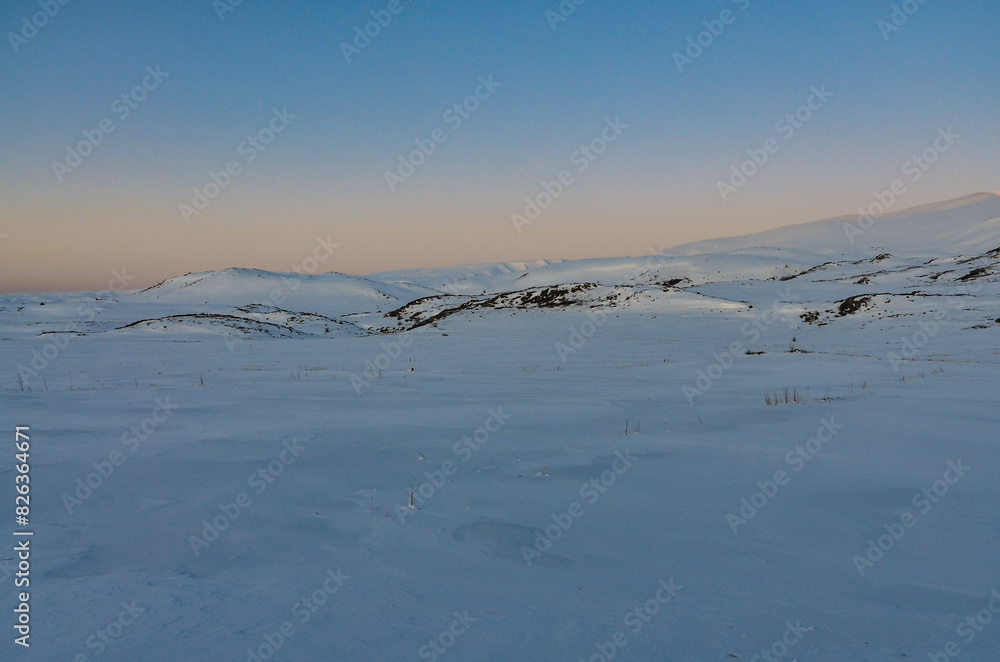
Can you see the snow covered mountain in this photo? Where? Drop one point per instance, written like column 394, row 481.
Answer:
column 929, row 248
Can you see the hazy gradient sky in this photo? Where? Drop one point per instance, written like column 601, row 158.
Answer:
column 324, row 173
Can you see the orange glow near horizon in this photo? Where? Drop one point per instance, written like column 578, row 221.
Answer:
column 43, row 252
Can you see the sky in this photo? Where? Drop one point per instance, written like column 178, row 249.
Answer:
column 596, row 129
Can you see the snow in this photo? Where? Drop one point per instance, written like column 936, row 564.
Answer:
column 944, row 228
column 497, row 393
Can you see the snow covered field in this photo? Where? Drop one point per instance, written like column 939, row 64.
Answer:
column 782, row 446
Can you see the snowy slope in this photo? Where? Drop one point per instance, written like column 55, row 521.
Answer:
column 335, row 294
column 956, row 226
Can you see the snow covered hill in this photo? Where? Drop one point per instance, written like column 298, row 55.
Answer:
column 784, row 442
column 956, row 226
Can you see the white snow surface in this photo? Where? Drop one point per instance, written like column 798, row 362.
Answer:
column 499, row 394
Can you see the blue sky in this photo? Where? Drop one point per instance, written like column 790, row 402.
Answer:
column 325, row 174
